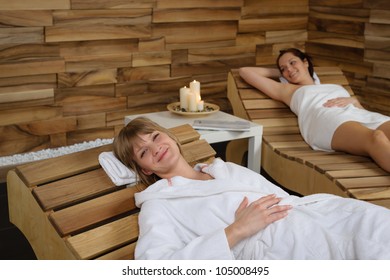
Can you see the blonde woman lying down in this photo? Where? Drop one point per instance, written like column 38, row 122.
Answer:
column 226, row 211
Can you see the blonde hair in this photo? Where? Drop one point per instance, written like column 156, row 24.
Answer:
column 124, row 145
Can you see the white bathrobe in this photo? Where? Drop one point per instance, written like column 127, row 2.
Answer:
column 185, row 219
column 318, row 123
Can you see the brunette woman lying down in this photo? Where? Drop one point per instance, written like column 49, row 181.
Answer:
column 329, row 118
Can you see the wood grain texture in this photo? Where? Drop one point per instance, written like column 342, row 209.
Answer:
column 99, row 55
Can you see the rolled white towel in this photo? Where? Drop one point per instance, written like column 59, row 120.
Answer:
column 315, row 77
column 116, row 170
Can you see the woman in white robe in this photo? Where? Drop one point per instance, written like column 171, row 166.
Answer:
column 328, row 116
column 225, row 211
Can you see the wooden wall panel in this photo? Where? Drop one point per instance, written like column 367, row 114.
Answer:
column 71, row 70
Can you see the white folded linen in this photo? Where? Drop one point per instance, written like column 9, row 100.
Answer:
column 116, row 170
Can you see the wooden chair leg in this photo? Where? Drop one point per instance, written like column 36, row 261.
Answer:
column 236, row 151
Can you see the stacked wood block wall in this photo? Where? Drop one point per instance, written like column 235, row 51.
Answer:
column 354, row 35
column 70, row 70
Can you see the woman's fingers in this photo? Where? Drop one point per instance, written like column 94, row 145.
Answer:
column 243, row 205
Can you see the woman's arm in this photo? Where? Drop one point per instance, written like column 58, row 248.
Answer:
column 251, row 218
column 261, row 78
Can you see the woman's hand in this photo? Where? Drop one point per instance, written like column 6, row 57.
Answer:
column 342, row 102
column 253, row 217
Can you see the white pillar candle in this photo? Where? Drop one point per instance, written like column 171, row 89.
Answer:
column 192, row 104
column 184, row 92
column 200, row 105
column 195, row 88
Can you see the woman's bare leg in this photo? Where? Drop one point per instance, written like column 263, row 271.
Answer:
column 354, row 138
column 385, row 128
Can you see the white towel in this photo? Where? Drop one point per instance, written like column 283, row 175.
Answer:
column 315, row 77
column 119, row 174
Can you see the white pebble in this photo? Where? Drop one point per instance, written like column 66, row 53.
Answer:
column 50, row 153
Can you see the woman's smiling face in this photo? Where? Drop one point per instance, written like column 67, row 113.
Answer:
column 293, row 68
column 156, row 152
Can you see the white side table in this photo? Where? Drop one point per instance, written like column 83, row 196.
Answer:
column 168, row 120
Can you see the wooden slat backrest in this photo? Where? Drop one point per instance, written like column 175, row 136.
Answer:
column 95, row 218
column 79, row 162
column 82, row 215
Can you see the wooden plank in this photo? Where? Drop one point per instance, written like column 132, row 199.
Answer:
column 266, row 103
column 271, row 113
column 8, row 97
column 90, row 105
column 18, row 141
column 92, row 121
column 60, row 167
column 83, row 215
column 286, row 36
column 352, row 183
column 87, row 78
column 337, row 174
column 220, row 53
column 70, row 50
column 26, row 18
column 25, row 68
column 112, row 4
column 182, row 33
column 346, row 166
column 89, row 63
column 18, row 116
column 34, row 4
column 151, row 58
column 122, row 24
column 122, row 253
column 21, row 35
column 272, row 24
column 375, row 193
column 196, row 14
column 93, row 243
column 73, row 189
column 95, row 32
column 185, row 133
column 197, row 151
column 252, row 94
column 52, row 126
column 172, row 4
column 279, row 122
column 143, row 73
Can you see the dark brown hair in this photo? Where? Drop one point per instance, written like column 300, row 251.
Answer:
column 298, row 53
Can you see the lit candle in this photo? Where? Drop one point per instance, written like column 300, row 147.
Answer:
column 195, row 88
column 200, row 105
column 184, row 92
column 192, row 106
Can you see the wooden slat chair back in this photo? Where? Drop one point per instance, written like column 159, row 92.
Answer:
column 290, row 161
column 68, row 208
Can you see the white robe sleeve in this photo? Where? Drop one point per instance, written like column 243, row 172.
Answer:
column 164, row 238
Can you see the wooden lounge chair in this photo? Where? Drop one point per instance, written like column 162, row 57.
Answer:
column 68, row 208
column 290, row 161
